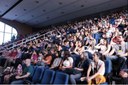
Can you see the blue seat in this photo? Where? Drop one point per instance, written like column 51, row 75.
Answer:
column 61, row 78
column 34, row 67
column 105, row 83
column 37, row 75
column 90, row 55
column 48, row 77
column 76, row 59
column 38, row 72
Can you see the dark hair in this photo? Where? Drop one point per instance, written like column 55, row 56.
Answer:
column 86, row 56
column 98, row 54
column 0, row 53
column 66, row 54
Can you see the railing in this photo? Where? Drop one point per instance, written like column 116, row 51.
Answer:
column 23, row 41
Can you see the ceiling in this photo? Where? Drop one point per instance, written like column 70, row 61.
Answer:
column 38, row 13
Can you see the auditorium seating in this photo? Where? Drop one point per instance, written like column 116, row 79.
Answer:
column 44, row 75
column 38, row 72
column 61, row 78
column 48, row 77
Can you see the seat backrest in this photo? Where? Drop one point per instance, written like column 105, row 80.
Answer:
column 89, row 55
column 76, row 59
column 34, row 67
column 48, row 77
column 61, row 78
column 108, row 66
column 38, row 74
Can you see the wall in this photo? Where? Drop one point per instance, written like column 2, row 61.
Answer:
column 20, row 27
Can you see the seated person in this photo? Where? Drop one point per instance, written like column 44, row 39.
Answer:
column 56, row 63
column 98, row 70
column 124, row 75
column 67, row 63
column 40, row 58
column 46, row 61
column 26, row 74
column 102, row 46
column 34, row 57
column 81, row 68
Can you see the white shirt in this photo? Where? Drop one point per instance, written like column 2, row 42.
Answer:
column 68, row 62
column 100, row 62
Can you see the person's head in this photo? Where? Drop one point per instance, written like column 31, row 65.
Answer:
column 28, row 62
column 52, row 51
column 0, row 53
column 18, row 50
column 74, row 38
column 34, row 52
column 66, row 43
column 105, row 42
column 84, row 55
column 122, row 39
column 72, row 44
column 66, row 54
column 14, row 50
column 40, row 54
column 62, row 53
column 57, row 54
column 96, row 56
column 104, row 35
column 80, row 44
column 101, row 41
column 80, row 37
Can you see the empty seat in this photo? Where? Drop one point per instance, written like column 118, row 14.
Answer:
column 48, row 77
column 61, row 78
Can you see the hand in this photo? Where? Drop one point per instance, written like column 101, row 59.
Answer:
column 63, row 68
column 82, row 78
column 88, row 79
column 18, row 77
column 76, row 68
column 125, row 75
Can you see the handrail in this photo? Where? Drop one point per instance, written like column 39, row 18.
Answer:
column 30, row 38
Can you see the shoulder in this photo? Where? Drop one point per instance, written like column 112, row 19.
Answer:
column 88, row 61
column 70, row 59
column 30, row 67
column 101, row 62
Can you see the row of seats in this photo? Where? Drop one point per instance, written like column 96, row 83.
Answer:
column 46, row 76
column 43, row 75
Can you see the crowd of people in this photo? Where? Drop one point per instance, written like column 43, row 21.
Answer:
column 78, row 49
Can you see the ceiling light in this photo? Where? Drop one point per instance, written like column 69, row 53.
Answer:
column 6, row 5
column 44, row 10
column 82, row 5
column 47, row 17
column 32, row 15
column 24, row 9
column 60, row 3
column 37, row 1
column 62, row 12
